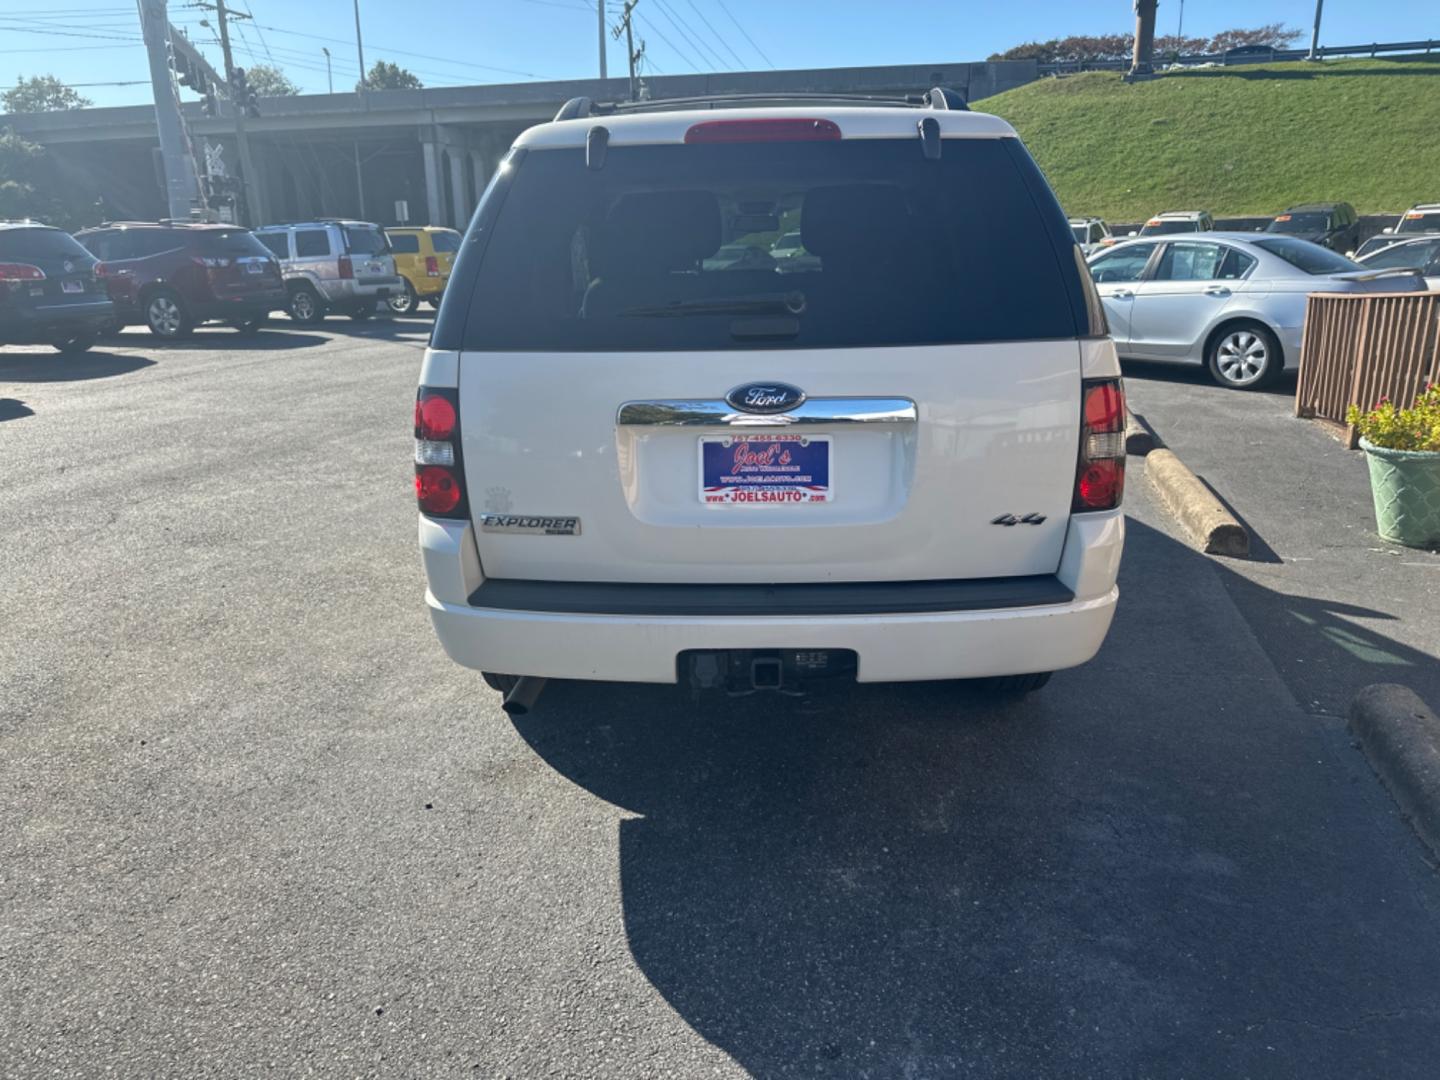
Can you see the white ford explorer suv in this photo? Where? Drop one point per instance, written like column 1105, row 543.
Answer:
column 649, row 450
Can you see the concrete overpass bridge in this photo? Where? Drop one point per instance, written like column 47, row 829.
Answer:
column 434, row 149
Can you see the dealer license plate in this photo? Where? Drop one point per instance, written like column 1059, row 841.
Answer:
column 72, row 286
column 765, row 470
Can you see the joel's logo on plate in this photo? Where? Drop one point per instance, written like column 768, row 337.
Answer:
column 764, row 398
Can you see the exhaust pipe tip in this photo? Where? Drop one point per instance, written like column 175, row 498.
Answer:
column 523, row 695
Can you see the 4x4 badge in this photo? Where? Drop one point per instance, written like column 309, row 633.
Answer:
column 1010, row 519
column 758, row 397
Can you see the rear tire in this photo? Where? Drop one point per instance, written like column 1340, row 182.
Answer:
column 75, row 345
column 305, row 306
column 1244, row 356
column 166, row 316
column 1013, row 686
column 435, row 303
column 407, row 303
column 502, row 683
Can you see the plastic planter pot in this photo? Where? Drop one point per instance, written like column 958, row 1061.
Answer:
column 1406, row 487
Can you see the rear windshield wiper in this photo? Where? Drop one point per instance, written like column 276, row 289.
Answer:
column 792, row 303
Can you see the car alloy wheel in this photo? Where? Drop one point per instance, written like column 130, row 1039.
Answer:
column 1242, row 357
column 165, row 317
column 302, row 305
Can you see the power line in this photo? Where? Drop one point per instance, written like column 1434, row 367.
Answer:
column 742, row 30
column 706, row 54
column 258, row 32
column 673, row 47
column 403, row 52
column 718, row 38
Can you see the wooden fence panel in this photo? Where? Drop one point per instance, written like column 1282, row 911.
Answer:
column 1359, row 348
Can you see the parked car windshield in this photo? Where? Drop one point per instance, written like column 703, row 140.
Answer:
column 1169, row 226
column 1303, row 255
column 669, row 247
column 1413, row 256
column 40, row 242
column 1300, row 223
column 238, row 243
column 364, row 240
column 1417, row 221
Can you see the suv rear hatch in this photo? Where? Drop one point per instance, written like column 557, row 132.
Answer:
column 68, row 269
column 930, row 319
column 237, row 264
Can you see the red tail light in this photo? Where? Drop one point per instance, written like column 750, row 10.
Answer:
column 775, row 129
column 439, row 471
column 1100, row 473
column 432, row 266
column 347, row 268
column 20, row 272
column 100, row 270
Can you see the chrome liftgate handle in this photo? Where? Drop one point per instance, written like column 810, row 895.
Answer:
column 710, row 413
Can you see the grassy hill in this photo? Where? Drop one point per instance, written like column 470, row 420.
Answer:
column 1236, row 141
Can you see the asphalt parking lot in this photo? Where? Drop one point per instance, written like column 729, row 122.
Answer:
column 257, row 824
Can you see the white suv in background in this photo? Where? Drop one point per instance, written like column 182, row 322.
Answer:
column 900, row 459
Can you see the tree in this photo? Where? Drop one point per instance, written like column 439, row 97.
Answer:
column 387, row 76
column 27, row 188
column 1083, row 48
column 41, row 93
column 267, row 80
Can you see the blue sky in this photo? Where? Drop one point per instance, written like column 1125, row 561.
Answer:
column 455, row 42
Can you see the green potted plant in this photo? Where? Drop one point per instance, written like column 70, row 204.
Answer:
column 1403, row 448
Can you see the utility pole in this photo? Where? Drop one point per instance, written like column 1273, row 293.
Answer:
column 329, row 76
column 1315, row 34
column 360, row 46
column 238, row 106
column 600, row 8
column 182, row 188
column 1141, row 64
column 634, row 54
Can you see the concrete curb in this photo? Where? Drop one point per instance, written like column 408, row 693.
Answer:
column 1204, row 517
column 1140, row 437
column 1401, row 737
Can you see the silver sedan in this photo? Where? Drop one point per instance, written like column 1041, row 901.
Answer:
column 1234, row 302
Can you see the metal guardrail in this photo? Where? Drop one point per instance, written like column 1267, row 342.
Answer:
column 1360, row 348
column 1249, row 56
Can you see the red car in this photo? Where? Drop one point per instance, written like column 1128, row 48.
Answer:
column 173, row 276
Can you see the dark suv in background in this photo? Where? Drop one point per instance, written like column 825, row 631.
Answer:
column 49, row 291
column 173, row 276
column 1332, row 225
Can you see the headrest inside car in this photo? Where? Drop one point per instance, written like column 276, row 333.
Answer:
column 853, row 220
column 670, row 230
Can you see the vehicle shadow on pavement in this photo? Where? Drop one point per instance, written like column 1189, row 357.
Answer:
column 50, row 366
column 266, row 339
column 1196, row 375
column 1158, row 865
column 14, row 409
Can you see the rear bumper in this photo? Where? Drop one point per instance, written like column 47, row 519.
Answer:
column 369, row 288
column 41, row 325
column 643, row 647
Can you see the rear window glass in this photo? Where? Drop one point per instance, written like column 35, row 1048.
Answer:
column 445, row 241
column 38, row 243
column 239, row 243
column 689, row 247
column 1169, row 227
column 1420, row 221
column 1413, row 256
column 404, row 243
column 1303, row 255
column 1300, row 223
column 362, row 241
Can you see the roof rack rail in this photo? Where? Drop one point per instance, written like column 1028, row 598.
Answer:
column 939, row 97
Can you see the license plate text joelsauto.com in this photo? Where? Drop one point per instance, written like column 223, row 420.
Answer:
column 766, row 470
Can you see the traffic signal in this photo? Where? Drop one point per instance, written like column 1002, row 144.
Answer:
column 241, row 94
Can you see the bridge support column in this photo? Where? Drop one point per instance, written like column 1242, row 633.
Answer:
column 457, row 186
column 482, row 174
column 434, row 205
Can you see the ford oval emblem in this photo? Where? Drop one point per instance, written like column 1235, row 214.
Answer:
column 761, row 397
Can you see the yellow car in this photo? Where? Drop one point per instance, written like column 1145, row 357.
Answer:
column 424, row 255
